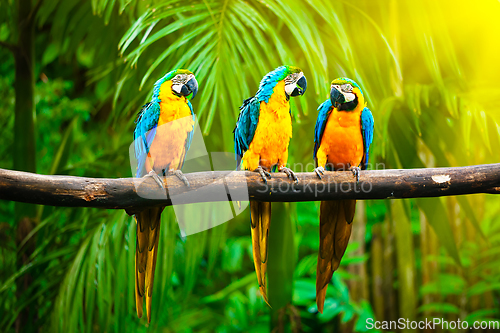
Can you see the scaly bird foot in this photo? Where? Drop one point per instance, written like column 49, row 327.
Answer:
column 181, row 176
column 157, row 178
column 263, row 173
column 320, row 171
column 355, row 172
column 290, row 174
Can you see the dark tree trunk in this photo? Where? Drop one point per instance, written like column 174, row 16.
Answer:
column 24, row 126
column 24, row 146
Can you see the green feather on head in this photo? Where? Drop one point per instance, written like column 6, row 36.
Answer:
column 343, row 80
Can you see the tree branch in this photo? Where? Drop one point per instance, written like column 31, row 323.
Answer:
column 215, row 186
column 11, row 47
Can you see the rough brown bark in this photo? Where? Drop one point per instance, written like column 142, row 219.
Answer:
column 121, row 193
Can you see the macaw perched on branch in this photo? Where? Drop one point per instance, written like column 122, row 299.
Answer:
column 162, row 138
column 261, row 139
column 342, row 138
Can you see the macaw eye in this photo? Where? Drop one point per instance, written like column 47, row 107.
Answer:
column 346, row 87
column 179, row 78
column 291, row 78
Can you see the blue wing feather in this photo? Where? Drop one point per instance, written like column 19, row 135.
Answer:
column 250, row 111
column 144, row 133
column 324, row 111
column 367, row 124
column 268, row 82
column 245, row 127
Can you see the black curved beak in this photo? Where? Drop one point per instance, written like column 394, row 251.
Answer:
column 191, row 87
column 336, row 97
column 301, row 87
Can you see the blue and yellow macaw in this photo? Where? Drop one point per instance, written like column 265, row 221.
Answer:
column 261, row 139
column 162, row 136
column 342, row 138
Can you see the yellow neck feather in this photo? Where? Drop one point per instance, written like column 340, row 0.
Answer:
column 278, row 102
column 166, row 94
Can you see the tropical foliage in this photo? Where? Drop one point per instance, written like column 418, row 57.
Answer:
column 432, row 84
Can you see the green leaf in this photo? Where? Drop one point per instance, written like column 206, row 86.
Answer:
column 445, row 284
column 304, row 291
column 439, row 308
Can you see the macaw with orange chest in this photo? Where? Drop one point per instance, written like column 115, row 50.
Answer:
column 162, row 136
column 342, row 138
column 261, row 139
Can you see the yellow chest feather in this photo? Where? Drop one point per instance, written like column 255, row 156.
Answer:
column 274, row 130
column 342, row 140
column 168, row 148
column 172, row 107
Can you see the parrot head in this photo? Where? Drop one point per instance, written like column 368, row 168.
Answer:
column 183, row 83
column 295, row 81
column 345, row 94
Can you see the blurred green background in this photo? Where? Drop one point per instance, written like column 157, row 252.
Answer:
column 429, row 70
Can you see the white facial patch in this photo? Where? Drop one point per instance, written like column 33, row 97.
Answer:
column 291, row 82
column 176, row 87
column 179, row 80
column 289, row 88
column 349, row 97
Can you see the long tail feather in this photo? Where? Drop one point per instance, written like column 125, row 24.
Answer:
column 148, row 230
column 335, row 229
column 138, row 294
column 260, row 222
